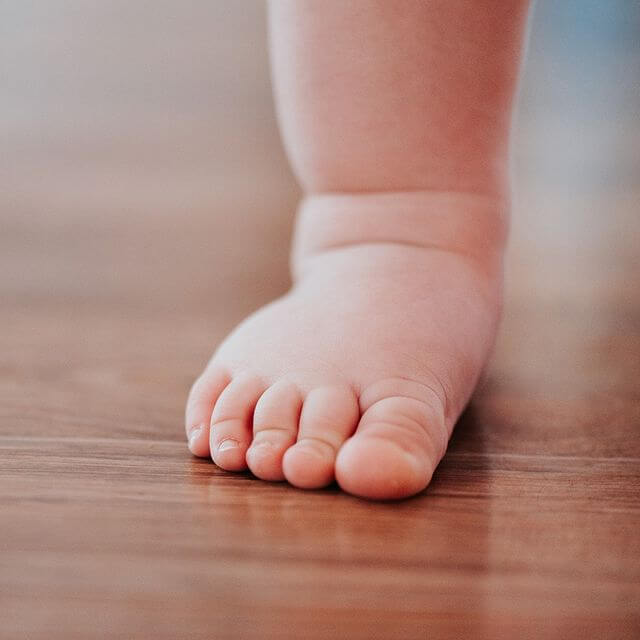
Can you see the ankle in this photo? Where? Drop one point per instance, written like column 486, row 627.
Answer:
column 475, row 225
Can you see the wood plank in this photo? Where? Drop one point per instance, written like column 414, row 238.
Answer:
column 130, row 523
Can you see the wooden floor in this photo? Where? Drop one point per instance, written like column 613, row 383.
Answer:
column 145, row 207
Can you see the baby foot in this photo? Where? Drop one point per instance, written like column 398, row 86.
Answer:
column 359, row 373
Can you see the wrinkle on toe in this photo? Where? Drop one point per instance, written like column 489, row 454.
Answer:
column 404, row 387
column 413, row 420
column 433, row 405
column 318, row 446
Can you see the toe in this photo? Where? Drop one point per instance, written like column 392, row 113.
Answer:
column 398, row 443
column 202, row 398
column 275, row 427
column 329, row 416
column 231, row 422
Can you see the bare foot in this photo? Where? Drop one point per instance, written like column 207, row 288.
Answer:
column 360, row 372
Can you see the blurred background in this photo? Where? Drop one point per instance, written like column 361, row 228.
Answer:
column 142, row 180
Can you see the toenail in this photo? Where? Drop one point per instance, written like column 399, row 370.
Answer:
column 227, row 444
column 194, row 435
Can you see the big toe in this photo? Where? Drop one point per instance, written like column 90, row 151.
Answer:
column 395, row 450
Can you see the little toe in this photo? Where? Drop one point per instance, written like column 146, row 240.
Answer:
column 275, row 427
column 395, row 450
column 231, row 422
column 202, row 398
column 329, row 416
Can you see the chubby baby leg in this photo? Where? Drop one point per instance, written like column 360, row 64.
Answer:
column 396, row 118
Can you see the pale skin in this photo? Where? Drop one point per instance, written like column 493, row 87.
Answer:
column 396, row 119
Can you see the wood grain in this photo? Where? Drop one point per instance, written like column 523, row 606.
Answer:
column 146, row 207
